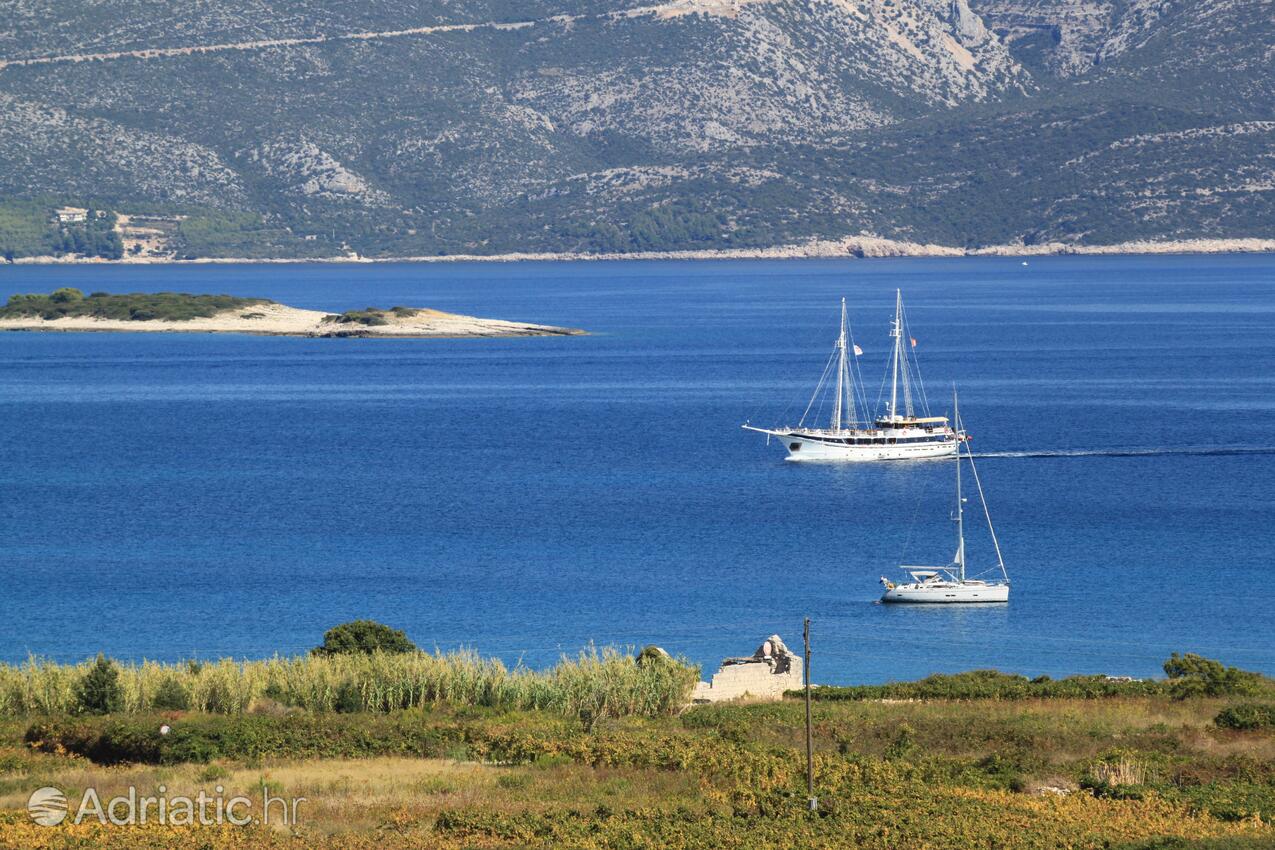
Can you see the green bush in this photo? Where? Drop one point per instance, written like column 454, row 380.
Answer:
column 98, row 691
column 201, row 738
column 66, row 295
column 1191, row 675
column 992, row 684
column 370, row 316
column 1248, row 715
column 170, row 696
column 111, row 741
column 363, row 637
column 348, row 699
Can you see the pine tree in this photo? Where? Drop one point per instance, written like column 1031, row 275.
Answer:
column 99, row 691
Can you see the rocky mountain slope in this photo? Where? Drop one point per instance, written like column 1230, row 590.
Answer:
column 480, row 126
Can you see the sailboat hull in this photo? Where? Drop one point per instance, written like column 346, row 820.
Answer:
column 936, row 593
column 809, row 447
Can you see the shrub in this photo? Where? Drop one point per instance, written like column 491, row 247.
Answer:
column 1117, row 776
column 652, row 655
column 201, row 739
column 170, row 696
column 903, row 744
column 66, row 295
column 1191, row 675
column 99, row 692
column 1248, row 715
column 348, row 699
column 370, row 316
column 365, row 637
column 992, row 684
column 213, row 773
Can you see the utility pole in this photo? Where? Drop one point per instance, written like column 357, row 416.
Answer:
column 810, row 749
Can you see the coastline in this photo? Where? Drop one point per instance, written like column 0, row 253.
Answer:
column 859, row 247
column 282, row 320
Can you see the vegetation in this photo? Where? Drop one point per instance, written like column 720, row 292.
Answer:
column 365, row 637
column 98, row 691
column 594, row 684
column 1189, row 676
column 219, row 233
column 409, row 749
column 170, row 696
column 1134, row 773
column 370, row 316
column 1248, row 715
column 94, row 237
column 25, row 229
column 31, row 228
column 135, row 307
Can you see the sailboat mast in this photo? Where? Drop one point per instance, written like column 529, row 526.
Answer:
column 987, row 513
column 960, row 507
column 841, row 370
column 896, row 331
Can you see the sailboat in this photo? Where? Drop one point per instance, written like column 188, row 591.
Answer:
column 897, row 434
column 950, row 583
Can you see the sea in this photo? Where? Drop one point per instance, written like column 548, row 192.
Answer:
column 172, row 496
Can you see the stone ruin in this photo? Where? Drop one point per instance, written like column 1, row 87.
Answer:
column 764, row 675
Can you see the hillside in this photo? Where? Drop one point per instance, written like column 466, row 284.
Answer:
column 399, row 128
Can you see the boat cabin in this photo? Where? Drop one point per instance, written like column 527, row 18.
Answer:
column 923, row 576
column 928, row 423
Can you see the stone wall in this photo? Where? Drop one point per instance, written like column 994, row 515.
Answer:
column 764, row 675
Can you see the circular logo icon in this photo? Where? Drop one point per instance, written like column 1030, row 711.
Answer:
column 47, row 806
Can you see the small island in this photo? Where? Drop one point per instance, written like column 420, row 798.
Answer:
column 69, row 309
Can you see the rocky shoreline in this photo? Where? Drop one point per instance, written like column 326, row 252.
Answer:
column 855, row 246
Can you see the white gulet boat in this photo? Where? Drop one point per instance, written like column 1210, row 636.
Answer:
column 949, row 583
column 892, row 436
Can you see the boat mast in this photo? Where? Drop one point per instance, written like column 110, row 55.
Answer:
column 987, row 513
column 841, row 370
column 896, row 331
column 960, row 507
column 905, row 372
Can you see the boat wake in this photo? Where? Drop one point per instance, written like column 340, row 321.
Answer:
column 1185, row 450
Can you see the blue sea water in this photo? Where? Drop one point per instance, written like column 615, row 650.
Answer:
column 167, row 495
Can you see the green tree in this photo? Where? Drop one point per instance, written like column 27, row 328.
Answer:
column 99, row 692
column 170, row 696
column 363, row 636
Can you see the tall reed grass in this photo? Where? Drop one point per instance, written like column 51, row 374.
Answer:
column 593, row 684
